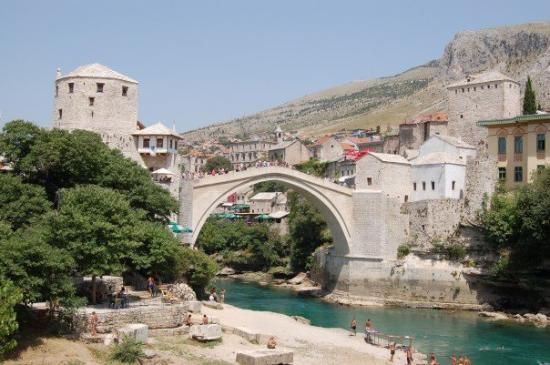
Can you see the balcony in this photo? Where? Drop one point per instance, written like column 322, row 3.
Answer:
column 152, row 150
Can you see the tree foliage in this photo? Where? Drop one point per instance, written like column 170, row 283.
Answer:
column 519, row 221
column 9, row 297
column 270, row 187
column 217, row 163
column 16, row 140
column 313, row 167
column 529, row 99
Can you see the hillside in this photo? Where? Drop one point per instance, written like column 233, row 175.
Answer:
column 517, row 50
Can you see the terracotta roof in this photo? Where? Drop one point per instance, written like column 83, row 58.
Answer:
column 95, row 70
column 484, row 77
column 429, row 117
column 157, row 129
column 347, row 146
column 322, row 140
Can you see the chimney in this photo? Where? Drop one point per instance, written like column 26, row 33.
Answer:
column 58, row 73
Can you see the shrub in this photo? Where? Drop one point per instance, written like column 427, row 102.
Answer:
column 451, row 251
column 500, row 267
column 403, row 250
column 128, row 351
column 9, row 297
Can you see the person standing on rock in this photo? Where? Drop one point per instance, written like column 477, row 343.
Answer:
column 353, row 326
column 151, row 285
column 392, row 351
column 409, row 356
column 93, row 324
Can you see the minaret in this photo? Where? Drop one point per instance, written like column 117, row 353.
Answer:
column 279, row 135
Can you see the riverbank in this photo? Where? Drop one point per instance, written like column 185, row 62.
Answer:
column 310, row 344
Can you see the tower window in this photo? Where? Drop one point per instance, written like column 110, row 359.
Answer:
column 60, row 113
column 91, row 100
column 146, row 143
column 453, row 185
column 433, row 185
column 423, row 185
column 71, row 87
column 125, row 91
column 56, row 90
column 369, row 181
column 100, row 87
column 414, row 186
column 461, row 116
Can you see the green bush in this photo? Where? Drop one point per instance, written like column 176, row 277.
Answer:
column 9, row 297
column 451, row 251
column 500, row 267
column 403, row 251
column 128, row 351
column 197, row 268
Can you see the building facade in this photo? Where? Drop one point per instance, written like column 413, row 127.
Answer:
column 291, row 152
column 519, row 145
column 248, row 153
column 327, row 148
column 413, row 133
column 478, row 97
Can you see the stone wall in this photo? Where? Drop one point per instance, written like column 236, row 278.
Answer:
column 432, row 219
column 393, row 179
column 481, row 180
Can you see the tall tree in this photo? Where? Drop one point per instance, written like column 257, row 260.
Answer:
column 217, row 163
column 96, row 225
column 16, row 140
column 529, row 99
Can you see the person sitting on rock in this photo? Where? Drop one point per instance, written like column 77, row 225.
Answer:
column 204, row 319
column 189, row 321
column 271, row 343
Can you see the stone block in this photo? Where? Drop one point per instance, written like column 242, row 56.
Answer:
column 206, row 332
column 193, row 306
column 212, row 304
column 138, row 331
column 247, row 334
column 265, row 357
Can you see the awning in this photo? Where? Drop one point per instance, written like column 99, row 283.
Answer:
column 227, row 204
column 263, row 217
column 278, row 215
column 163, row 171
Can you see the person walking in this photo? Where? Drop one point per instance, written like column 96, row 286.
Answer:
column 392, row 351
column 353, row 326
column 151, row 285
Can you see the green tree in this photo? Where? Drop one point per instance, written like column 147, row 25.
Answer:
column 529, row 99
column 307, row 230
column 313, row 167
column 198, row 268
column 9, row 297
column 96, row 225
column 43, row 272
column 16, row 140
column 270, row 187
column 19, row 202
column 217, row 163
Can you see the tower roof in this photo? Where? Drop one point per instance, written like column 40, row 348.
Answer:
column 95, row 70
column 487, row 76
column 157, row 129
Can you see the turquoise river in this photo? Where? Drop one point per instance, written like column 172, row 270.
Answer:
column 441, row 332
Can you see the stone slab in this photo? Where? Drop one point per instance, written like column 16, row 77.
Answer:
column 138, row 331
column 193, row 306
column 265, row 357
column 206, row 332
column 212, row 304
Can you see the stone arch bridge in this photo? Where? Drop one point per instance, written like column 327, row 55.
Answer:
column 365, row 224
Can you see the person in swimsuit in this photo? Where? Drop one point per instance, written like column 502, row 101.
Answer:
column 392, row 351
column 204, row 319
column 271, row 343
column 453, row 359
column 93, row 324
column 353, row 328
column 433, row 360
column 467, row 360
column 189, row 321
column 409, row 356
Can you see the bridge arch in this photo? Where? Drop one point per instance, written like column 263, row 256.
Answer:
column 333, row 201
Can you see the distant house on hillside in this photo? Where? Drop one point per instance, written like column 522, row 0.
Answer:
column 292, row 152
column 414, row 132
column 327, row 148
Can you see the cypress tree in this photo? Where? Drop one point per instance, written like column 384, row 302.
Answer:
column 529, row 100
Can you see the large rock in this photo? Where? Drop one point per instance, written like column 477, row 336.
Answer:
column 206, row 332
column 193, row 306
column 497, row 316
column 265, row 357
column 183, row 292
column 226, row 271
column 212, row 304
column 298, row 279
column 137, row 331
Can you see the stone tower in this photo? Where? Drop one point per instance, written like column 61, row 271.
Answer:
column 489, row 95
column 94, row 97
column 279, row 134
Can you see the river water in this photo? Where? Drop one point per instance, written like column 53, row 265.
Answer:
column 441, row 332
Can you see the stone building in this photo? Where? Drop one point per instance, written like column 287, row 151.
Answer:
column 158, row 147
column 416, row 131
column 327, row 148
column 268, row 202
column 292, row 152
column 386, row 172
column 248, row 152
column 194, row 160
column 519, row 145
column 488, row 95
column 374, row 143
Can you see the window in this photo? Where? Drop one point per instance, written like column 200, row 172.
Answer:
column 461, row 116
column 501, row 145
column 541, row 142
column 91, row 100
column 488, row 86
column 125, row 91
column 100, row 87
column 414, row 186
column 433, row 185
column 518, row 144
column 71, row 87
column 406, row 198
column 462, row 89
column 423, row 185
column 56, row 90
column 146, row 143
column 160, row 142
column 369, row 181
column 453, row 184
column 518, row 174
column 60, row 113
column 496, row 86
column 170, row 143
column 502, row 173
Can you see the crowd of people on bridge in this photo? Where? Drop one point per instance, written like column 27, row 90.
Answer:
column 241, row 167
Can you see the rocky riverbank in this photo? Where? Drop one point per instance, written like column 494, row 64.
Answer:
column 539, row 319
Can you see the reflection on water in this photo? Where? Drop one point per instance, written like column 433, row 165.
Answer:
column 441, row 332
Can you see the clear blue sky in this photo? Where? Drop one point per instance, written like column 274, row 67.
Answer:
column 205, row 61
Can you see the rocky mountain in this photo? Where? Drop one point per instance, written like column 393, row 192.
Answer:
column 518, row 51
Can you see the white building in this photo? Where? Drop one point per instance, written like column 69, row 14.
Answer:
column 439, row 170
column 386, row 172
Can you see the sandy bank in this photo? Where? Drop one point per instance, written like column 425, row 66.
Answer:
column 311, row 344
